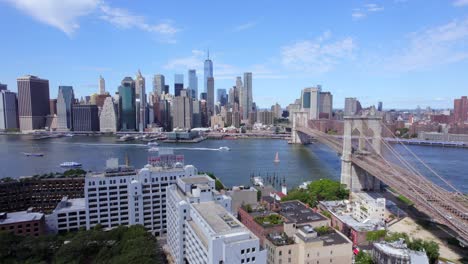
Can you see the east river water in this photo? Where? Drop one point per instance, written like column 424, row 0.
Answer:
column 297, row 164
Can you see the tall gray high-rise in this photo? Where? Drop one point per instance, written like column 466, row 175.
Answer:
column 108, row 119
column 193, row 83
column 326, row 105
column 352, row 106
column 141, row 104
column 210, row 95
column 8, row 110
column 207, row 71
column 3, row 87
column 33, row 102
column 158, row 84
column 102, row 85
column 182, row 111
column 248, row 96
column 65, row 101
column 178, row 84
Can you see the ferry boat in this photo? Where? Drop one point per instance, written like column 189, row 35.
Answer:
column 152, row 144
column 153, row 149
column 69, row 135
column 70, row 164
column 126, row 138
column 276, row 160
column 224, row 149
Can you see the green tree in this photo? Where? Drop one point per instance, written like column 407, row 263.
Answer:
column 363, row 258
column 432, row 251
column 321, row 190
column 376, row 235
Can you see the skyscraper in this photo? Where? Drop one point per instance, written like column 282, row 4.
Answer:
column 352, row 106
column 158, row 84
column 3, row 87
column 108, row 117
column 8, row 110
column 310, row 100
column 102, row 85
column 326, row 105
column 85, row 118
column 207, row 71
column 141, row 90
column 182, row 112
column 193, row 83
column 127, row 111
column 380, row 106
column 221, row 96
column 460, row 110
column 210, row 96
column 248, row 96
column 178, row 84
column 65, row 101
column 33, row 102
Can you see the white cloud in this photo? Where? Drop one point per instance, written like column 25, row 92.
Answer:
column 460, row 3
column 245, row 26
column 317, row 56
column 431, row 47
column 61, row 14
column 123, row 18
column 373, row 8
column 194, row 61
column 65, row 14
column 359, row 13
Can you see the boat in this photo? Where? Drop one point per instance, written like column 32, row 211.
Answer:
column 258, row 181
column 153, row 149
column 36, row 154
column 277, row 160
column 70, row 164
column 126, row 138
column 69, row 135
column 152, row 144
column 304, row 185
column 224, row 149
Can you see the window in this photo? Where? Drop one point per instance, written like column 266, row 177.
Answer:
column 280, row 253
column 242, row 251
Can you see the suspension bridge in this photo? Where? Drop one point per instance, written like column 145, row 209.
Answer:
column 364, row 167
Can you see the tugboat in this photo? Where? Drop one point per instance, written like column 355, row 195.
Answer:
column 70, row 164
column 152, row 144
column 224, row 148
column 277, row 160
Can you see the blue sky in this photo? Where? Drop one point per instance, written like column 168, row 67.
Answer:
column 402, row 52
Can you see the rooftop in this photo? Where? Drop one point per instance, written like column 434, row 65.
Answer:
column 70, row 205
column 21, row 216
column 340, row 210
column 331, row 237
column 398, row 249
column 200, row 179
column 218, row 218
column 295, row 211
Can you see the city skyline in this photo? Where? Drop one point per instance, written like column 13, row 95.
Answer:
column 354, row 49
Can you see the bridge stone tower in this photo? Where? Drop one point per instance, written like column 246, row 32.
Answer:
column 300, row 119
column 368, row 129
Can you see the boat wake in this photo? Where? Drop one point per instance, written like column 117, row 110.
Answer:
column 143, row 146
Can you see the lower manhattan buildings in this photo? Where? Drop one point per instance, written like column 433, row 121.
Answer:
column 33, row 102
column 8, row 110
column 201, row 228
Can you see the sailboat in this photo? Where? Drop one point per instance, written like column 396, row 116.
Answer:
column 277, row 160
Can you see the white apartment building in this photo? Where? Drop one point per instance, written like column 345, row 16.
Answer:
column 202, row 230
column 367, row 207
column 69, row 215
column 123, row 196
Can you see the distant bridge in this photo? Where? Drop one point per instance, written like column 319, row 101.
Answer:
column 363, row 167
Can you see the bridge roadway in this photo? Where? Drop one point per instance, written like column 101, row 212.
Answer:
column 442, row 206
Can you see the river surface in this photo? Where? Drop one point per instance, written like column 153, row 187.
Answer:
column 297, row 164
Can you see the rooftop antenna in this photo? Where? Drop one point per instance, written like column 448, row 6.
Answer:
column 208, row 54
